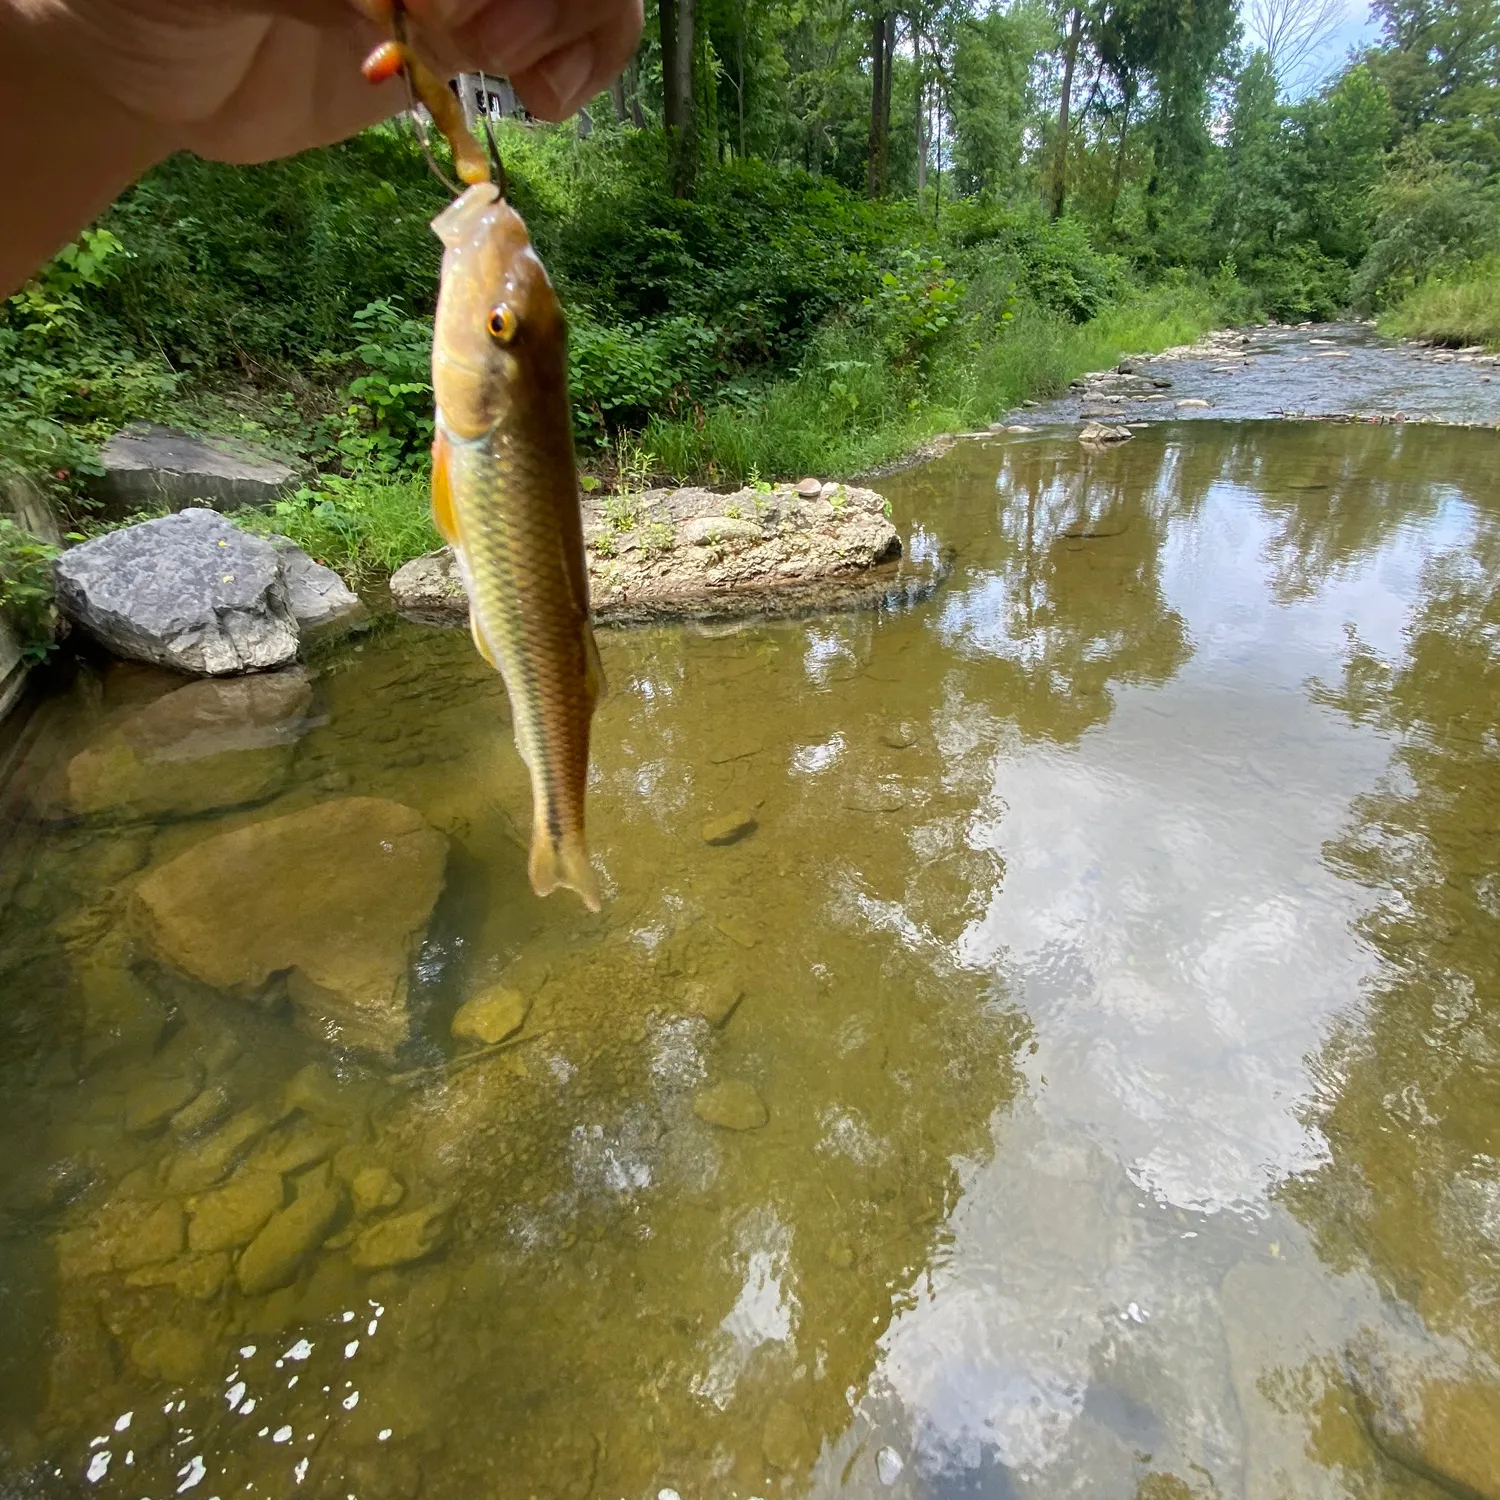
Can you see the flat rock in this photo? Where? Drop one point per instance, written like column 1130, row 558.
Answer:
column 151, row 1103
column 187, row 591
column 402, row 1239
column 731, row 1105
column 204, row 1162
column 218, row 743
column 316, row 595
column 146, row 466
column 1097, row 434
column 490, row 1016
column 330, row 903
column 274, row 1256
column 729, row 828
column 693, row 554
column 231, row 1216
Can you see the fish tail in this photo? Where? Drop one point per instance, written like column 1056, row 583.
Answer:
column 563, row 861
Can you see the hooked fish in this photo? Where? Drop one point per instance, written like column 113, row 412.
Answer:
column 505, row 496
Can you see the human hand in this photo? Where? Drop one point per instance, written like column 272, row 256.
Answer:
column 246, row 80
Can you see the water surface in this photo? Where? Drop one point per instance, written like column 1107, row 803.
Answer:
column 1119, row 941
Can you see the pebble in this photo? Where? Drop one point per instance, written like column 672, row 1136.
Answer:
column 731, row 1105
column 898, row 736
column 809, row 488
column 400, row 1240
column 888, row 1466
column 730, row 828
column 490, row 1016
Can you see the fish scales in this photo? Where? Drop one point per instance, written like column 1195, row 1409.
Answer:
column 505, row 495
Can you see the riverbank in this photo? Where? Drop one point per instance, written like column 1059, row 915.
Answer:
column 1455, row 312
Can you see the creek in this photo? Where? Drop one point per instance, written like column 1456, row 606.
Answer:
column 1043, row 1039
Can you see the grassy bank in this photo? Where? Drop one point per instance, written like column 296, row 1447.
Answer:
column 1458, row 310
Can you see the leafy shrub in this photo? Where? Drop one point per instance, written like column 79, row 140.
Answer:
column 26, row 591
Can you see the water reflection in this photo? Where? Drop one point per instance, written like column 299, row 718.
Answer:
column 989, row 995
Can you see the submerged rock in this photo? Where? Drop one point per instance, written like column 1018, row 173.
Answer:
column 274, row 1256
column 402, row 1239
column 188, row 591
column 204, row 1162
column 731, row 1105
column 729, row 828
column 329, row 904
column 150, row 1104
column 209, row 745
column 490, row 1016
column 374, row 1189
column 231, row 1216
column 786, row 1439
column 714, row 999
column 171, row 1354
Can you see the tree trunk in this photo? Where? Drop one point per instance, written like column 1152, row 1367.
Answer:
column 633, row 89
column 685, row 158
column 741, row 55
column 874, row 176
column 617, row 98
column 667, row 12
column 1070, row 61
column 678, row 107
column 885, row 103
column 1114, row 191
column 916, row 53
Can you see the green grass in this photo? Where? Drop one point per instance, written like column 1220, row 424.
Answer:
column 362, row 528
column 848, row 410
column 1463, row 309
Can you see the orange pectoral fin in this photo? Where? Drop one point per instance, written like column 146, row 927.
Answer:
column 442, row 492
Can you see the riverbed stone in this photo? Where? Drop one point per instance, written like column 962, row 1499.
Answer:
column 202, row 1163
column 328, row 905
column 152, row 1102
column 786, row 1439
column 316, row 595
column 430, row 588
column 320, row 1096
column 207, row 1109
column 714, row 999
column 170, row 1353
column 731, row 1105
column 273, row 1258
column 729, row 828
column 143, row 1233
column 147, row 465
column 375, row 1189
column 490, row 1016
column 1441, row 1424
column 188, row 591
column 231, row 1216
column 402, row 1239
column 210, row 745
column 1100, row 435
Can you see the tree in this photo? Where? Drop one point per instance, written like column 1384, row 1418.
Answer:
column 1290, row 33
column 679, row 106
column 882, row 66
column 1070, row 62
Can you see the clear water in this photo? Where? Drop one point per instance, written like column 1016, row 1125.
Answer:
column 1119, row 940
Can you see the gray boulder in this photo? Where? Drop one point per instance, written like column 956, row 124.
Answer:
column 188, row 591
column 317, row 595
column 147, row 466
column 429, row 588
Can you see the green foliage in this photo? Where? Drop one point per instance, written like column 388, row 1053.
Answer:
column 26, row 591
column 1462, row 310
column 363, row 528
column 387, row 425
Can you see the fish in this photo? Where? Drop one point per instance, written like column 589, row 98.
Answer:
column 505, row 496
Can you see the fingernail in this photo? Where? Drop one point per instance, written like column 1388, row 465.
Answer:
column 566, row 72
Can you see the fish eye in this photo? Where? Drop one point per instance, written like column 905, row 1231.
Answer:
column 502, row 323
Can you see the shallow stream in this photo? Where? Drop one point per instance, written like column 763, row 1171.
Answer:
column 1116, row 942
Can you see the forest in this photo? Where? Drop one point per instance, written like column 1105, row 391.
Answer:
column 796, row 236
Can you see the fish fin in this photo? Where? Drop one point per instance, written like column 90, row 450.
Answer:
column 564, row 862
column 480, row 644
column 594, row 682
column 443, row 515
